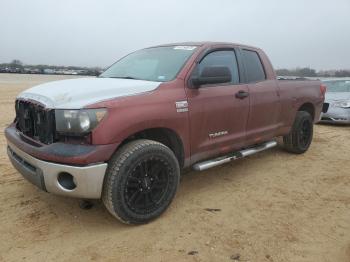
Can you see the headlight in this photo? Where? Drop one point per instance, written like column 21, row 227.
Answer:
column 342, row 104
column 78, row 121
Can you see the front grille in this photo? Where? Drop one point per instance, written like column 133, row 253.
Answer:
column 35, row 121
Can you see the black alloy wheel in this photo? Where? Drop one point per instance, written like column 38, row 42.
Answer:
column 141, row 181
column 146, row 185
column 300, row 136
column 305, row 133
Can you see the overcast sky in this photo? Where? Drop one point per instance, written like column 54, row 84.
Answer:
column 313, row 33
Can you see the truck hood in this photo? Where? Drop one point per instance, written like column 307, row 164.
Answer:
column 78, row 93
column 336, row 96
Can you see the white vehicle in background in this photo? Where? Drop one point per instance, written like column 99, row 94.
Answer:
column 336, row 107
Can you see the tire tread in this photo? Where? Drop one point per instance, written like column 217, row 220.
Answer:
column 290, row 141
column 113, row 170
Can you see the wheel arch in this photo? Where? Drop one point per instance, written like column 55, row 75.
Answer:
column 162, row 135
column 308, row 107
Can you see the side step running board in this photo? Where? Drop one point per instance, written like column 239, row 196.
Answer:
column 233, row 156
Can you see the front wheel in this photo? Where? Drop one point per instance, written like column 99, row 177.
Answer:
column 141, row 181
column 299, row 139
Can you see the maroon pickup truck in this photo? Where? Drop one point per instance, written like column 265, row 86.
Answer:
column 125, row 136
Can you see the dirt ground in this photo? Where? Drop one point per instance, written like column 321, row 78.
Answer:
column 273, row 206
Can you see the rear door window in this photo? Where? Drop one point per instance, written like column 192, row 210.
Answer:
column 253, row 66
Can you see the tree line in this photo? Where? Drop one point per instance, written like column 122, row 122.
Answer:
column 309, row 72
column 17, row 66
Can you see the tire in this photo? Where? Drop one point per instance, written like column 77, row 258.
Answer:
column 300, row 137
column 141, row 181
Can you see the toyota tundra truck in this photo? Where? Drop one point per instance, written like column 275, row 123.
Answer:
column 126, row 135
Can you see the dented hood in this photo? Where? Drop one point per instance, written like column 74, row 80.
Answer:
column 81, row 92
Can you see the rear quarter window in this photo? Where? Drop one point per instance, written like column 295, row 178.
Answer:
column 254, row 69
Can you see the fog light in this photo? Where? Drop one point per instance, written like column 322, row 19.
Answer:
column 66, row 181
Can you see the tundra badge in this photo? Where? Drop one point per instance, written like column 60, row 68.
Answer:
column 221, row 133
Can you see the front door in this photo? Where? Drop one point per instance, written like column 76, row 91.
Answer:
column 218, row 112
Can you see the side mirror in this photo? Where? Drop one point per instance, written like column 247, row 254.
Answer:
column 213, row 75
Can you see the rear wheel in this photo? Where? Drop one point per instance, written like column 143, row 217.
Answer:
column 299, row 139
column 141, row 181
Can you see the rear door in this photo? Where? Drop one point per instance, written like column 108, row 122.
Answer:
column 217, row 117
column 265, row 108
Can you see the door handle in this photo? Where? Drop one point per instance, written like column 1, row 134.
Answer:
column 242, row 94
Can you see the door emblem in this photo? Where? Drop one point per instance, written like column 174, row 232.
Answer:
column 181, row 106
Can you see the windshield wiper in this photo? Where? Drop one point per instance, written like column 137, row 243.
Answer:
column 123, row 77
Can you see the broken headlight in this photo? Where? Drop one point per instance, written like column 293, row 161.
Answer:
column 79, row 121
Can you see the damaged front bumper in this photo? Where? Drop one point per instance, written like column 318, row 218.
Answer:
column 62, row 169
column 73, row 181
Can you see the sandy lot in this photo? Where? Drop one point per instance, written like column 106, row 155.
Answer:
column 273, row 206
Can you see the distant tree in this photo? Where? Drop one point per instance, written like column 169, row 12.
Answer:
column 17, row 63
column 342, row 73
column 306, row 72
column 300, row 72
column 283, row 72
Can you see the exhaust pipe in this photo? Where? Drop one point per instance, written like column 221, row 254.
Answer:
column 233, row 156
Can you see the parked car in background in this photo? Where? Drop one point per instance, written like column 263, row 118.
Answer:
column 337, row 102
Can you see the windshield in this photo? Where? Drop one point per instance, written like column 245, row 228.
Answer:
column 159, row 64
column 338, row 86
